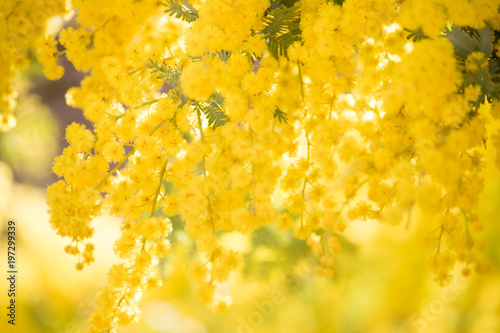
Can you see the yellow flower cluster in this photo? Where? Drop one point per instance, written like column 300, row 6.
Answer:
column 343, row 116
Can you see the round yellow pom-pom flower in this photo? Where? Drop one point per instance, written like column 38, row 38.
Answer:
column 196, row 81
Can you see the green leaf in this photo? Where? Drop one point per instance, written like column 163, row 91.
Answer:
column 465, row 43
column 281, row 26
column 275, row 4
column 279, row 20
column 485, row 36
column 178, row 96
column 417, row 35
column 278, row 45
column 493, row 67
column 184, row 11
column 215, row 116
column 224, row 55
column 462, row 42
column 155, row 67
column 282, row 116
column 171, row 75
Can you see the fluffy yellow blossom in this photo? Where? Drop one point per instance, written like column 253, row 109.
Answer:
column 211, row 117
column 197, row 81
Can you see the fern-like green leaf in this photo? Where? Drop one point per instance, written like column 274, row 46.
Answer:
column 485, row 36
column 179, row 97
column 279, row 20
column 275, row 4
column 162, row 69
column 281, row 28
column 154, row 66
column 462, row 42
column 282, row 116
column 171, row 75
column 494, row 68
column 417, row 35
column 224, row 55
column 215, row 116
column 278, row 45
column 184, row 11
